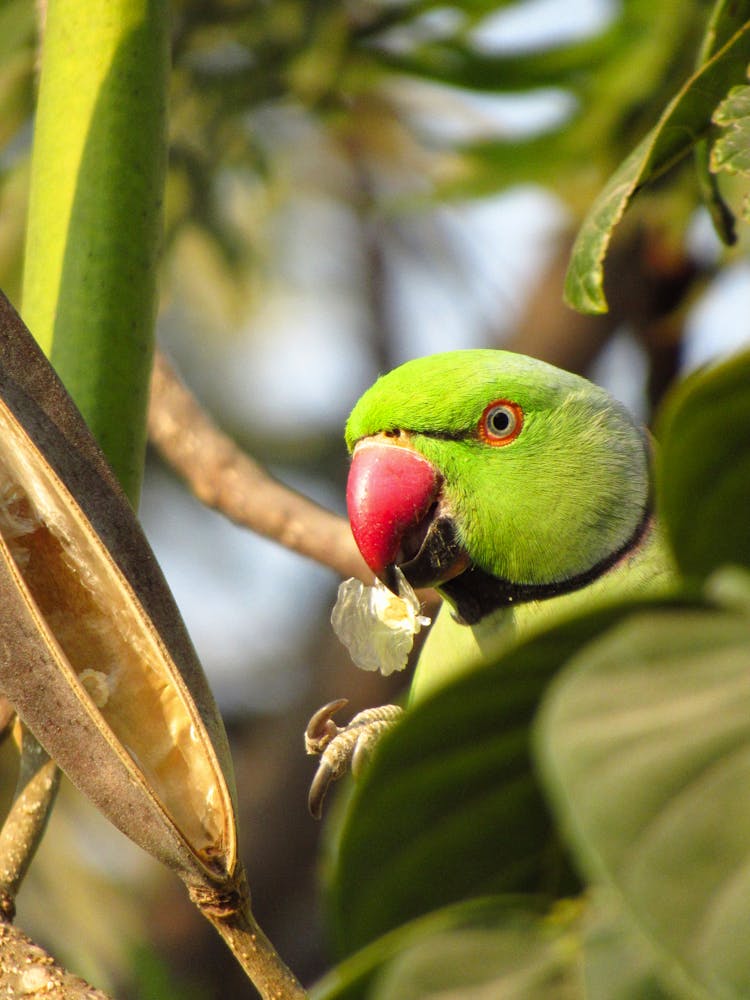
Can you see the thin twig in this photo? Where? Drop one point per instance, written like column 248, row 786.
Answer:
column 259, row 959
column 38, row 781
column 223, row 477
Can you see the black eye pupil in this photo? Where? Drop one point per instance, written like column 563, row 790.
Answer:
column 500, row 421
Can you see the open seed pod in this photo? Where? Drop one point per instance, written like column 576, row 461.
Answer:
column 93, row 652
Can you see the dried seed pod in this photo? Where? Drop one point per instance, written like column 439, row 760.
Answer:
column 93, row 652
column 82, row 600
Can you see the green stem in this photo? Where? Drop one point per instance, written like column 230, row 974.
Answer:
column 95, row 212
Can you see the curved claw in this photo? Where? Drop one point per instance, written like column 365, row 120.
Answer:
column 321, row 728
column 324, row 777
column 342, row 747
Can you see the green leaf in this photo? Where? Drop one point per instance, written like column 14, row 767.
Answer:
column 704, row 432
column 645, row 744
column 683, row 123
column 731, row 151
column 450, row 807
column 496, row 946
column 726, row 17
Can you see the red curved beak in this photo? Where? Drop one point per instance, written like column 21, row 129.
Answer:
column 389, row 491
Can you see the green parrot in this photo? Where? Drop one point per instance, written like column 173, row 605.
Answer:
column 514, row 488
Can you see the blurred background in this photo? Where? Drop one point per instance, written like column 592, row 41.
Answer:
column 353, row 184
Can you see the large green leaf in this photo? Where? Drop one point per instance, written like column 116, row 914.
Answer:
column 645, row 744
column 450, row 807
column 705, row 484
column 685, row 120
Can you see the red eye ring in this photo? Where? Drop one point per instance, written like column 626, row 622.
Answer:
column 501, row 422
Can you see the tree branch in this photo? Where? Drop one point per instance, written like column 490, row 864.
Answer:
column 25, row 968
column 226, row 479
column 28, row 970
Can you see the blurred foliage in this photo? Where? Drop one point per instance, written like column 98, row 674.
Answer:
column 254, row 83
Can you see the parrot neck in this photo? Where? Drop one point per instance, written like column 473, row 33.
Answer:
column 475, row 594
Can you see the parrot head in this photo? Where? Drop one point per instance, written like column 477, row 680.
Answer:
column 495, row 478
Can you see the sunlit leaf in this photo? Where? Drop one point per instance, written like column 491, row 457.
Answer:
column 731, row 151
column 727, row 16
column 682, row 124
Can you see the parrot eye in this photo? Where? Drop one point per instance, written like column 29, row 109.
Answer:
column 501, row 422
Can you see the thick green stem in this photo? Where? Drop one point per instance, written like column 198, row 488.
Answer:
column 97, row 179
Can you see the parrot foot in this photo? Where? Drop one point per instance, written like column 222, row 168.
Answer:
column 343, row 747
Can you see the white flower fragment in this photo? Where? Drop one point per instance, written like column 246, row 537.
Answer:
column 376, row 625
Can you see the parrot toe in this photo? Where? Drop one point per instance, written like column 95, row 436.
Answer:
column 343, row 748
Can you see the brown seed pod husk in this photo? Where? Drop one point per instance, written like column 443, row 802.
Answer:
column 93, row 652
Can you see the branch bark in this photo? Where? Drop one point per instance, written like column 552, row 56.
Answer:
column 224, row 478
column 28, row 970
